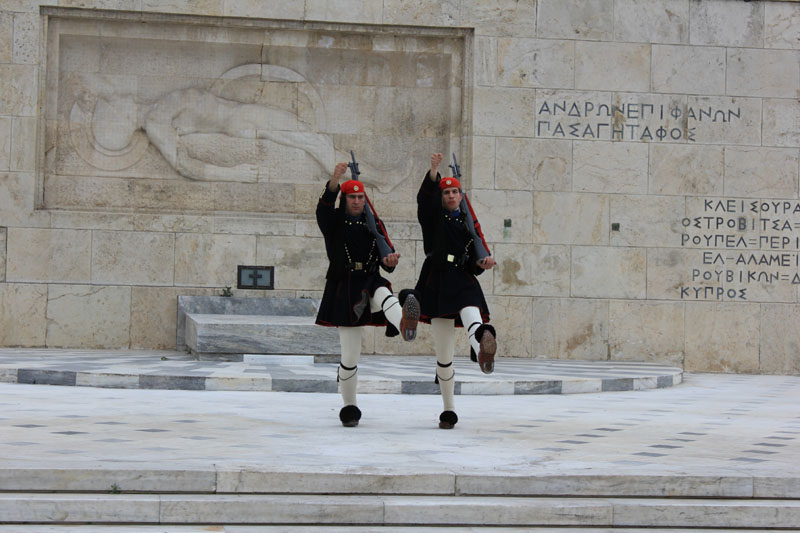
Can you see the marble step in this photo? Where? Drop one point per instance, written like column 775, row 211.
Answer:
column 82, row 528
column 345, row 482
column 227, row 337
column 320, row 509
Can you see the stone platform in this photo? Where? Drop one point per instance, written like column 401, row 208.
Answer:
column 133, row 369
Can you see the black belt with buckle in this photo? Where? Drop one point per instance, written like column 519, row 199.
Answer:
column 358, row 266
column 458, row 262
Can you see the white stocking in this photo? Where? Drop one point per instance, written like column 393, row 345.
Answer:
column 444, row 342
column 471, row 319
column 383, row 300
column 350, row 339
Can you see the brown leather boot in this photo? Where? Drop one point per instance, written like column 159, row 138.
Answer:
column 408, row 324
column 485, row 335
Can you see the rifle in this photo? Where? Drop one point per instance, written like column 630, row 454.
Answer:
column 474, row 227
column 353, row 166
column 374, row 222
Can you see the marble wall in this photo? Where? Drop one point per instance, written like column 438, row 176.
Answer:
column 635, row 163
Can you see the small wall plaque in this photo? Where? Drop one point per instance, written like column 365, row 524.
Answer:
column 255, row 277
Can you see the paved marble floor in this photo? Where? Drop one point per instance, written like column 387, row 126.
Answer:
column 727, row 424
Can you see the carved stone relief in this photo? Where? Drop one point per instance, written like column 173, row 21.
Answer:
column 150, row 124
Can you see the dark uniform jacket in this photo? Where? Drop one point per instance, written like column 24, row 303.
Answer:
column 354, row 249
column 447, row 282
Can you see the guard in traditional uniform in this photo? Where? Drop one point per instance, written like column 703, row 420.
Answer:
column 355, row 294
column 450, row 295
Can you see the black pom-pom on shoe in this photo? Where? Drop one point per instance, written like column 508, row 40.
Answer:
column 350, row 415
column 447, row 420
column 391, row 331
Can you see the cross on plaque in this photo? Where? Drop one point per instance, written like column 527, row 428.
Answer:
column 255, row 276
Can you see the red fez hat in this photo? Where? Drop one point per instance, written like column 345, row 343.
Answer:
column 352, row 186
column 449, row 182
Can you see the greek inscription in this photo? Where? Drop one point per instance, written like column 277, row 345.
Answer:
column 634, row 121
column 742, row 244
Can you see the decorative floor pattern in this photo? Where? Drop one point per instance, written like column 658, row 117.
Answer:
column 377, row 374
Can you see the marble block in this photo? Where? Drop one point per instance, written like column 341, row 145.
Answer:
column 686, row 170
column 262, row 9
column 532, row 270
column 650, row 221
column 22, row 314
column 483, row 167
column 570, row 218
column 779, row 346
column 768, row 73
column 54, row 255
column 501, row 511
column 350, row 481
column 499, row 17
column 100, row 479
column 655, row 21
column 781, row 20
column 504, row 214
column 504, row 111
column 126, row 257
column 534, row 63
column 608, row 272
column 606, row 485
column 779, row 124
column 442, row 13
column 722, row 337
column 154, row 316
column 583, row 19
column 689, row 69
column 486, row 61
column 23, row 143
column 81, row 508
column 270, row 509
column 646, row 331
column 18, row 90
column 88, row 316
column 761, row 172
column 723, row 23
column 5, row 142
column 570, row 328
column 605, row 167
column 612, row 66
column 533, row 164
column 3, row 237
column 211, row 260
column 226, row 335
column 699, row 514
column 6, row 34
column 219, row 305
